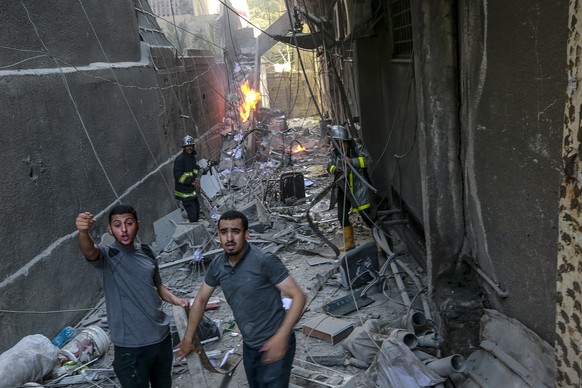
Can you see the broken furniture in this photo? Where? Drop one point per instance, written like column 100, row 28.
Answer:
column 292, row 186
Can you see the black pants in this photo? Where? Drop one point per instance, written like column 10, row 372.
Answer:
column 138, row 367
column 273, row 375
column 192, row 207
column 343, row 211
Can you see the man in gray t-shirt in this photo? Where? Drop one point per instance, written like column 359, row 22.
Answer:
column 139, row 328
column 252, row 282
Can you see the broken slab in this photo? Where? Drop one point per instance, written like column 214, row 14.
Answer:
column 330, row 329
column 257, row 215
column 511, row 355
column 164, row 228
column 210, row 182
column 194, row 234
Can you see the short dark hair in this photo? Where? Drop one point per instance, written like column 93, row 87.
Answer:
column 235, row 215
column 122, row 209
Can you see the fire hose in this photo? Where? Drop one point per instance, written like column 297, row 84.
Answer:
column 313, row 226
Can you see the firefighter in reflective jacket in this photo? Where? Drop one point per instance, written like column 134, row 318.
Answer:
column 351, row 191
column 187, row 183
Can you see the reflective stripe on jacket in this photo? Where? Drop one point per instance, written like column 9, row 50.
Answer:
column 360, row 160
column 186, row 172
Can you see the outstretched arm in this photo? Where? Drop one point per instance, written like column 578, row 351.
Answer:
column 167, row 296
column 196, row 312
column 84, row 223
column 276, row 346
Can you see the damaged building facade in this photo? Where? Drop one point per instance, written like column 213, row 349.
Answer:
column 470, row 110
column 95, row 104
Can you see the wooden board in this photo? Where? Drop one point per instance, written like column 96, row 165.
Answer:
column 193, row 359
column 328, row 328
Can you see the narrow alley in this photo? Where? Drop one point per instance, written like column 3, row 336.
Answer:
column 454, row 124
column 381, row 331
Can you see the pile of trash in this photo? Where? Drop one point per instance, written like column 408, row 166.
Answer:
column 64, row 360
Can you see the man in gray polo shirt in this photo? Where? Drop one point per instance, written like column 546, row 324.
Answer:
column 252, row 282
column 139, row 328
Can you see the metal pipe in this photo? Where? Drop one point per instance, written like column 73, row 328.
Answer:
column 402, row 335
column 501, row 293
column 412, row 321
column 395, row 222
column 430, row 340
column 419, row 286
column 382, row 242
column 400, row 284
column 385, row 213
column 445, row 367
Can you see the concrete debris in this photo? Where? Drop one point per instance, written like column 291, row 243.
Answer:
column 306, row 374
column 386, row 335
column 397, row 366
column 510, row 354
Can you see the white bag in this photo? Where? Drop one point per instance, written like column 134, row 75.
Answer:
column 32, row 358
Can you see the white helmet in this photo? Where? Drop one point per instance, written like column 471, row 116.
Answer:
column 339, row 132
column 187, row 140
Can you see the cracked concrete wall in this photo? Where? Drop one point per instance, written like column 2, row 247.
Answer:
column 512, row 88
column 437, row 91
column 488, row 162
column 569, row 290
column 73, row 139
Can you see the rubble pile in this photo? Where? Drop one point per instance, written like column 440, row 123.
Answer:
column 367, row 321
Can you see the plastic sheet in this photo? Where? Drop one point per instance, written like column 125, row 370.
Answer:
column 32, row 358
column 360, row 343
column 396, row 366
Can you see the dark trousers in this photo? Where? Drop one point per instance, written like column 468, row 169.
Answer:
column 138, row 367
column 343, row 211
column 192, row 207
column 273, row 375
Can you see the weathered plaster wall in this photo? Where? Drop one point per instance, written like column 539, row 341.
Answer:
column 569, row 290
column 512, row 103
column 75, row 139
column 24, row 25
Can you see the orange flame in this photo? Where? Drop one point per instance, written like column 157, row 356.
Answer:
column 297, row 148
column 251, row 97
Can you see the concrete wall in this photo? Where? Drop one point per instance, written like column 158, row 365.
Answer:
column 390, row 131
column 32, row 36
column 73, row 139
column 290, row 94
column 388, row 121
column 513, row 84
column 484, row 169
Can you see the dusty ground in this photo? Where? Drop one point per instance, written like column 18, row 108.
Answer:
column 185, row 279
